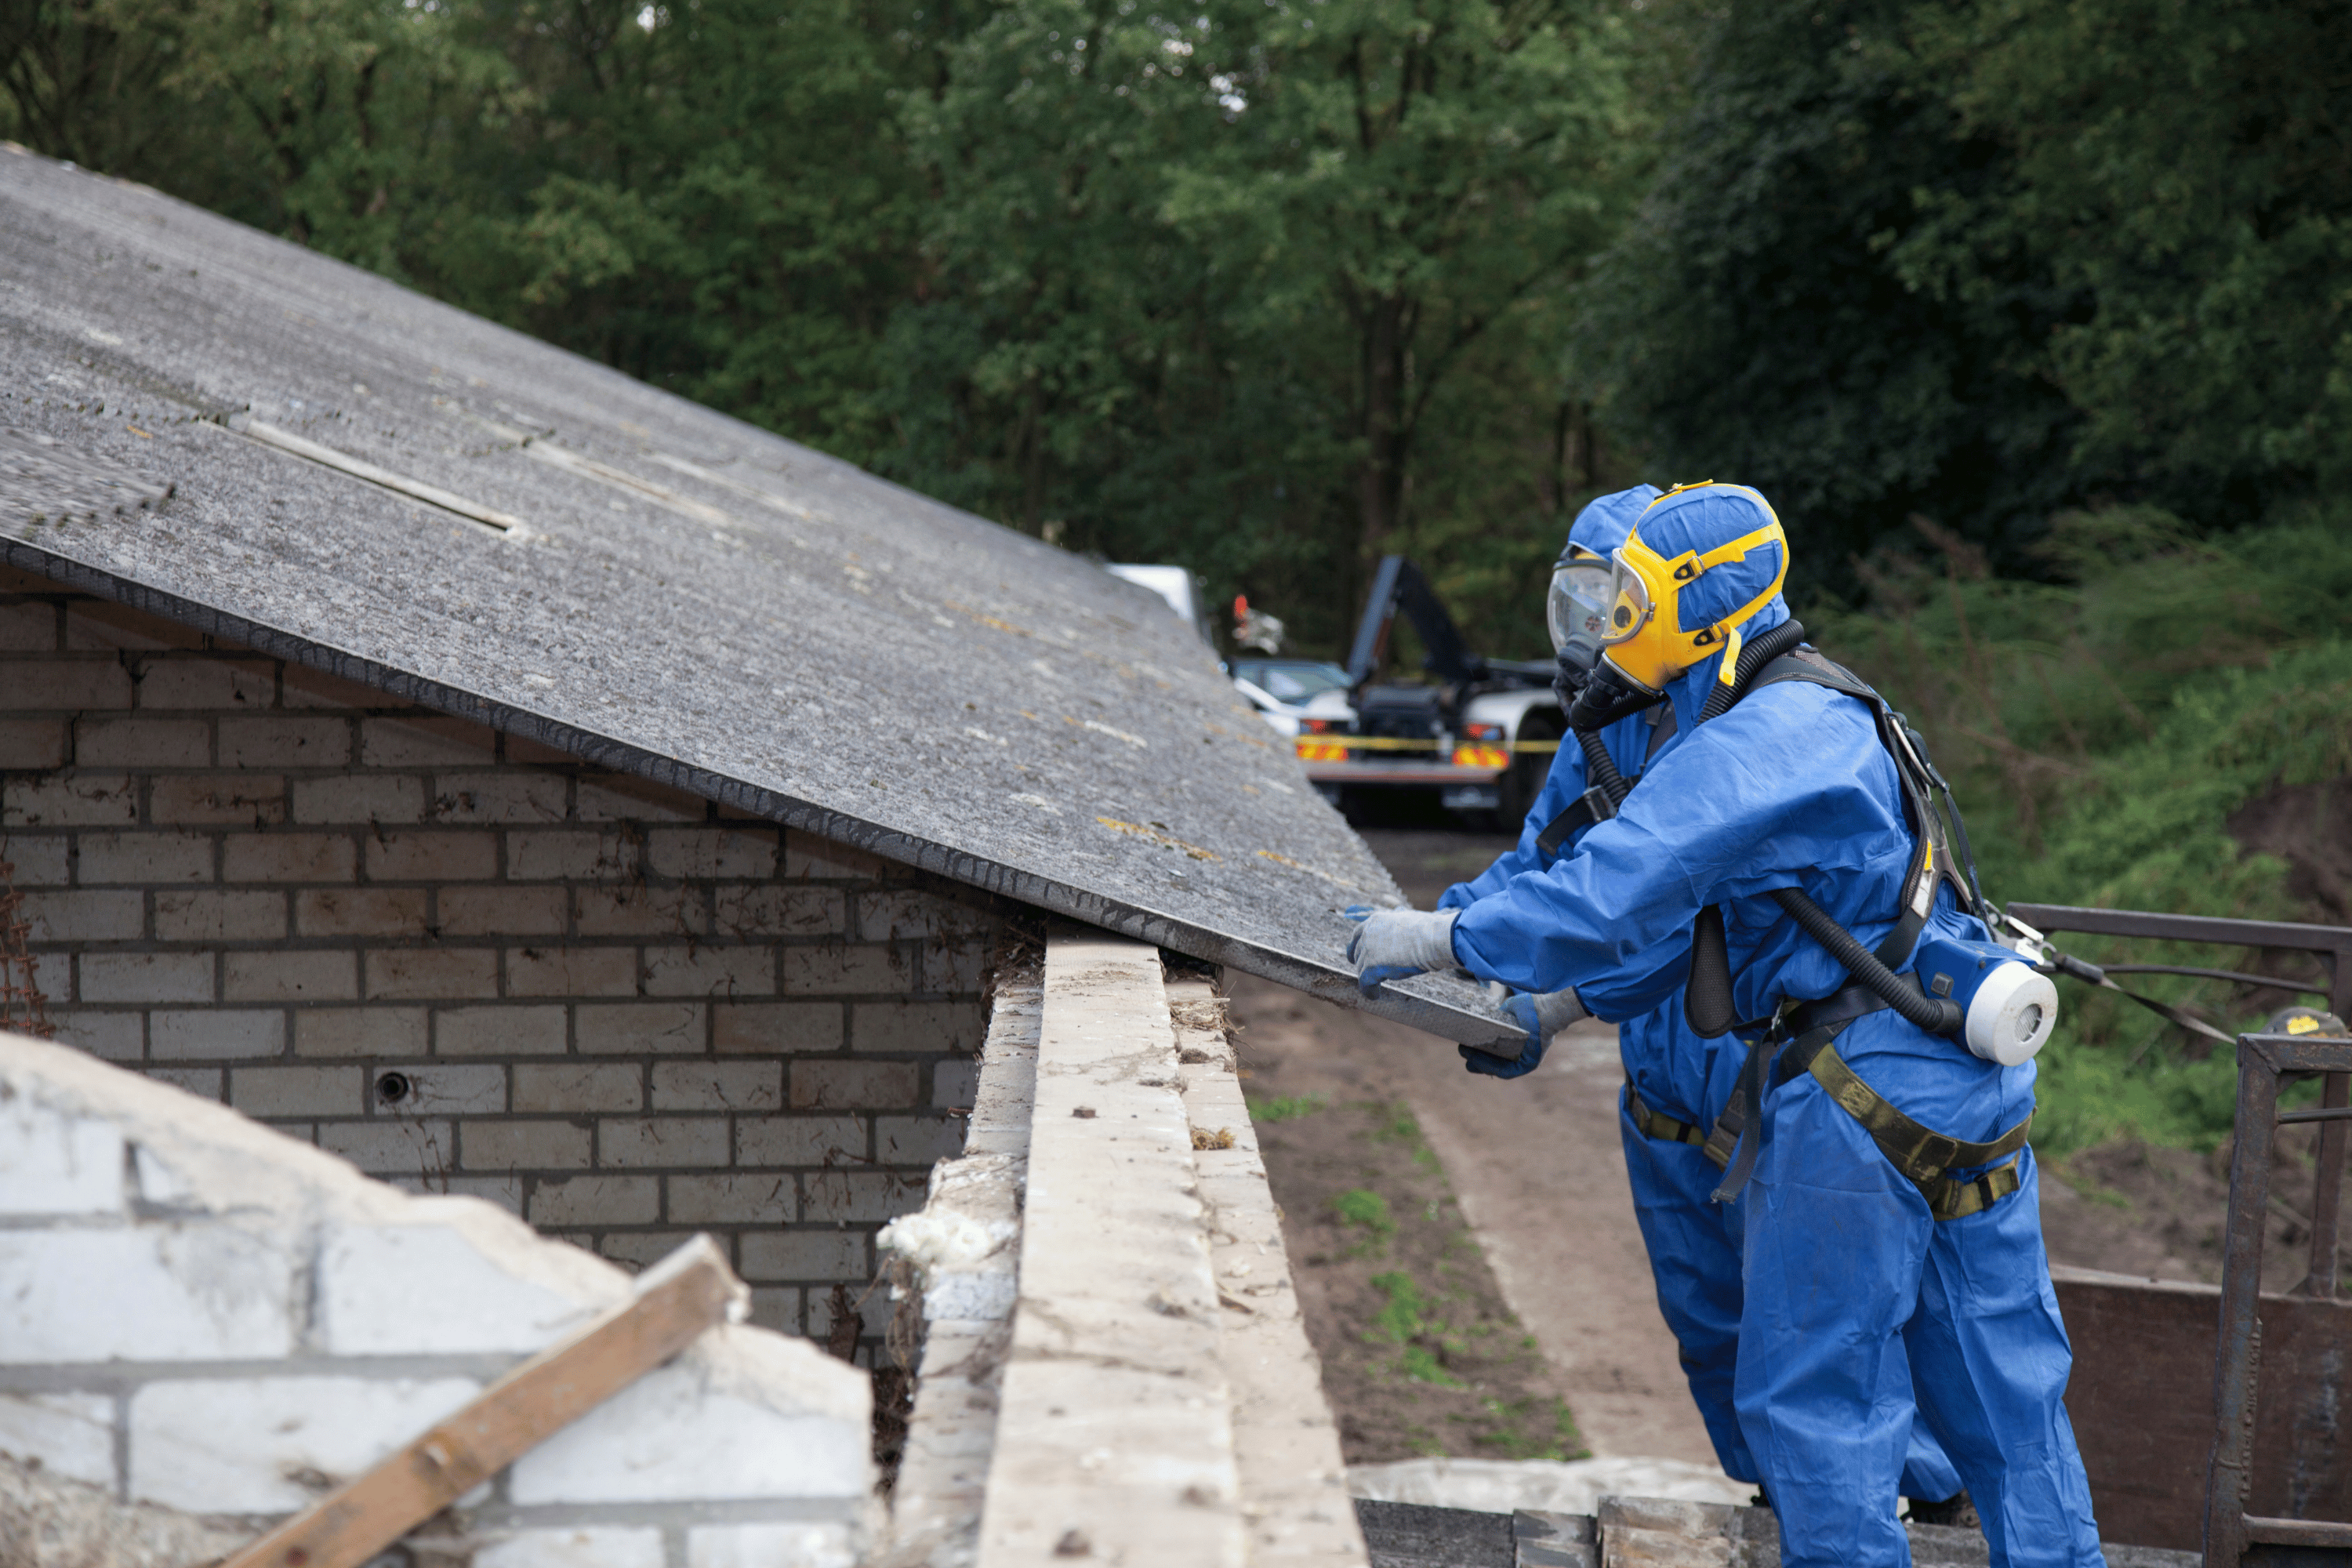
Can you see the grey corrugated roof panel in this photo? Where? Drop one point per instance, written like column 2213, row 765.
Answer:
column 679, row 594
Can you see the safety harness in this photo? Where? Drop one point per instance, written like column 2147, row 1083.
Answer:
column 1663, row 1129
column 1800, row 1037
column 1596, row 804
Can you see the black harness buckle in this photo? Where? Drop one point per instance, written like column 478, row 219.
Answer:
column 1593, row 805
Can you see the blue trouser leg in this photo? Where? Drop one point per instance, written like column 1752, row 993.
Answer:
column 1990, row 1358
column 1845, row 1270
column 1834, row 1239
column 1694, row 1246
column 1696, row 1270
column 1928, row 1473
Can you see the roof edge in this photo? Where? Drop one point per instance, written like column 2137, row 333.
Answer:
column 1432, row 1013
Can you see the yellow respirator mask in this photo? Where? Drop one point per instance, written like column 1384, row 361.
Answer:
column 1645, row 640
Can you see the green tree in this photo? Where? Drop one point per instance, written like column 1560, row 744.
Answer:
column 1067, row 363
column 2184, row 170
column 710, row 194
column 82, row 87
column 1409, row 175
column 1214, row 277
column 1759, row 331
column 326, row 120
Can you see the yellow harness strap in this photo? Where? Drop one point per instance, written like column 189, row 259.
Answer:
column 1924, row 1157
column 1657, row 1124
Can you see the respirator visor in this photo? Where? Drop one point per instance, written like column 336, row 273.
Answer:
column 1629, row 605
column 1578, row 609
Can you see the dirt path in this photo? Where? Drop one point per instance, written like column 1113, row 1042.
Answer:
column 1536, row 1167
column 1534, row 1162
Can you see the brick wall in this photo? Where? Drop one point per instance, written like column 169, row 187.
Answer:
column 469, row 964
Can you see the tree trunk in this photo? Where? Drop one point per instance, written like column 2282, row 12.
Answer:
column 1380, row 425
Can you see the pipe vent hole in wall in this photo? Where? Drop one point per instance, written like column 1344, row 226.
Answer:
column 393, row 1088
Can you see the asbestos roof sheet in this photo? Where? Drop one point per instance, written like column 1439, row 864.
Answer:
column 289, row 452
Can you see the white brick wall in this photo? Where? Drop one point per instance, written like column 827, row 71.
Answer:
column 200, row 1313
column 604, row 1004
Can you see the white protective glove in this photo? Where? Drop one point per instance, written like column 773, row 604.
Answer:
column 1396, row 943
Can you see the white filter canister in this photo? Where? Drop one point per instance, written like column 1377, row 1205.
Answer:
column 2012, row 1014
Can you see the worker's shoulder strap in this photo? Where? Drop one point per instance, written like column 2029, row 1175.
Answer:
column 1707, row 1004
column 1916, row 779
column 1807, row 663
column 1594, row 805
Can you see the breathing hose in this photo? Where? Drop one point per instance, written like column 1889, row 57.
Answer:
column 1937, row 1015
column 1753, row 656
column 1600, row 770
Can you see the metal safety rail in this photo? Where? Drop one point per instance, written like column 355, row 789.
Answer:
column 2266, row 1063
column 2233, row 1536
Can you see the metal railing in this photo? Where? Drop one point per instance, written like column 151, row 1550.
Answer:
column 2266, row 1063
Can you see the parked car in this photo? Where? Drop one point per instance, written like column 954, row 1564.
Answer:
column 1483, row 734
column 1297, row 695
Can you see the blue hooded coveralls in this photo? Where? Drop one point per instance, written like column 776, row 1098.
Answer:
column 1844, row 1268
column 1693, row 1243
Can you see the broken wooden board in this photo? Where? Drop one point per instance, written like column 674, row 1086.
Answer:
column 690, row 1290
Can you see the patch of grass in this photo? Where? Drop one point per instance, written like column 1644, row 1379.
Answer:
column 1369, row 1212
column 1421, row 1366
column 1404, row 1320
column 1399, row 1320
column 1286, row 1107
column 1397, row 1126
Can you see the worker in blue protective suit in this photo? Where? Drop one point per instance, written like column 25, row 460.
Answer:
column 1784, row 811
column 1676, row 1083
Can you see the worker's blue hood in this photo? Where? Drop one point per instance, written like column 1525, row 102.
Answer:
column 1704, row 520
column 1605, row 521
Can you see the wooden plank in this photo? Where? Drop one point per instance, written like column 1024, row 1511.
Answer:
column 675, row 1300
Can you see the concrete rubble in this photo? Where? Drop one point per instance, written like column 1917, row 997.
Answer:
column 205, row 1316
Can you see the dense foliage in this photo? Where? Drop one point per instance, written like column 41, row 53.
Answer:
column 1270, row 287
column 2034, row 316
column 2166, row 725
column 1265, row 288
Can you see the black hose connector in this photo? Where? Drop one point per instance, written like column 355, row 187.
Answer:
column 1753, row 656
column 2080, row 968
column 1600, row 769
column 1607, row 696
column 1937, row 1015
